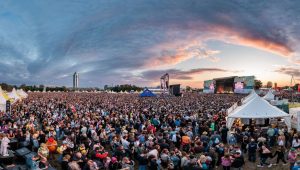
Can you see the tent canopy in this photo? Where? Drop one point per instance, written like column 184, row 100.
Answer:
column 22, row 93
column 147, row 93
column 257, row 108
column 14, row 95
column 269, row 96
column 2, row 97
column 249, row 97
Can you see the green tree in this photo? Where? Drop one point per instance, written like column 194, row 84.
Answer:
column 269, row 84
column 296, row 87
column 257, row 84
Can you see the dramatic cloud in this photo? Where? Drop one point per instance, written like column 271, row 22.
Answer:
column 105, row 41
column 178, row 74
column 170, row 57
column 288, row 70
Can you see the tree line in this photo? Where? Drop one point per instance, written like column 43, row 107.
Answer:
column 124, row 87
column 8, row 87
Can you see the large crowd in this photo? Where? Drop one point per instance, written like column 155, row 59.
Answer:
column 91, row 131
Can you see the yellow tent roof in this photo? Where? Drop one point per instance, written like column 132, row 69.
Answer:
column 5, row 95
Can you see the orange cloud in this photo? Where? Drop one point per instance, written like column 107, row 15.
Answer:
column 272, row 47
column 172, row 54
column 230, row 35
column 177, row 50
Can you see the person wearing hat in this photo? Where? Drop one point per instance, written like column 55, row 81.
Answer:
column 292, row 157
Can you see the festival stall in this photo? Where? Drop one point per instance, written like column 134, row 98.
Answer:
column 295, row 118
column 22, row 93
column 147, row 93
column 269, row 96
column 13, row 95
column 2, row 101
column 257, row 108
column 3, row 98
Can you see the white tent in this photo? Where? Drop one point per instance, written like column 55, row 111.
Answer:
column 13, row 94
column 269, row 96
column 22, row 93
column 257, row 108
column 249, row 97
column 2, row 100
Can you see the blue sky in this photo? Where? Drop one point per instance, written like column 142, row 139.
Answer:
column 120, row 41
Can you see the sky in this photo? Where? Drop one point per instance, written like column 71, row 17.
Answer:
column 136, row 42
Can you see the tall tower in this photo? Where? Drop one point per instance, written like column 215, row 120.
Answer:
column 75, row 81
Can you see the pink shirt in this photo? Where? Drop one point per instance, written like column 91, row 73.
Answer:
column 226, row 161
column 292, row 157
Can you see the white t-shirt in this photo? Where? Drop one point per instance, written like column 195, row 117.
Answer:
column 153, row 152
column 295, row 143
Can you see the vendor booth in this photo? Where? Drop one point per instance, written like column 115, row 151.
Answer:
column 269, row 96
column 257, row 108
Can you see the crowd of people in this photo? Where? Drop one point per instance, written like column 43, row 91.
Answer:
column 93, row 131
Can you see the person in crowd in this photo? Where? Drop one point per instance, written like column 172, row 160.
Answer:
column 296, row 166
column 115, row 131
column 226, row 161
column 292, row 157
column 264, row 155
column 238, row 161
column 280, row 152
column 252, row 148
column 296, row 142
column 52, row 146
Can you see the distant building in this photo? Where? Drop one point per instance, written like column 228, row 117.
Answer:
column 75, row 81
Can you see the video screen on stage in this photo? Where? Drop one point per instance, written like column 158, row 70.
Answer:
column 239, row 85
column 243, row 84
column 248, row 81
column 209, row 84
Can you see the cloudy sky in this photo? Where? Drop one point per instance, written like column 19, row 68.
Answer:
column 120, row 41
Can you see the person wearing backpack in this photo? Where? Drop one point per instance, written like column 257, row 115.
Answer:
column 238, row 161
column 216, row 139
column 265, row 154
column 252, row 148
